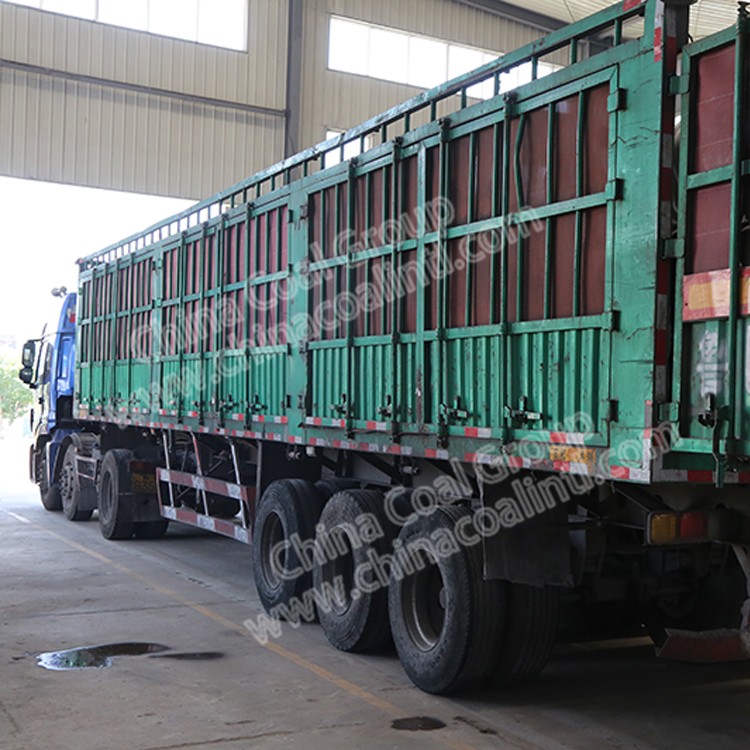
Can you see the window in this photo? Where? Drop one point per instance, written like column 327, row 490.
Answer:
column 392, row 55
column 352, row 149
column 221, row 23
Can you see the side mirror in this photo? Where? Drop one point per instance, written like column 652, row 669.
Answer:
column 28, row 355
column 26, row 375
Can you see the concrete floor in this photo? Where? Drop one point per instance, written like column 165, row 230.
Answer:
column 64, row 586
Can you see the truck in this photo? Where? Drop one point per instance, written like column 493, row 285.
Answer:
column 490, row 370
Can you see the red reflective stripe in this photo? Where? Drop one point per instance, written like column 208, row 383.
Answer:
column 702, row 477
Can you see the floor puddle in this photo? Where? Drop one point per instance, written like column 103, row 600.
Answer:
column 94, row 657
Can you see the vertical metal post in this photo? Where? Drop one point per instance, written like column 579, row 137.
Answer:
column 733, row 338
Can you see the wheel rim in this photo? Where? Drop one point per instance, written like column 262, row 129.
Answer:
column 66, row 485
column 273, row 535
column 338, row 573
column 423, row 601
column 106, row 499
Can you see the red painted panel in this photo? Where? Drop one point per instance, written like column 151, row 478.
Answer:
column 314, row 208
column 532, row 160
column 433, row 188
column 378, row 212
column 273, row 241
column 459, row 181
column 359, row 273
column 360, row 209
column 485, row 147
column 563, row 265
column 432, row 289
column 482, row 261
column 708, row 235
column 593, row 261
column 512, row 289
column 534, row 248
column 457, row 254
column 409, row 287
column 714, row 109
column 316, row 294
column 596, row 130
column 284, row 219
column 408, row 205
column 566, row 129
column 262, row 249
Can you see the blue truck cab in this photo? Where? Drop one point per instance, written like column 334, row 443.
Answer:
column 49, row 368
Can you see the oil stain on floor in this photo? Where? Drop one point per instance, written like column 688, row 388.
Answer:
column 418, row 724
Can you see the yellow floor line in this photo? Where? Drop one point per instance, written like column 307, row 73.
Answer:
column 340, row 682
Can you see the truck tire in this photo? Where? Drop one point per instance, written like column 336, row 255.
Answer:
column 531, row 616
column 49, row 495
column 288, row 509
column 115, row 496
column 329, row 487
column 447, row 621
column 69, row 490
column 357, row 620
column 151, row 529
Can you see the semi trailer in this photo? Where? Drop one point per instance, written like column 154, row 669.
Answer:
column 495, row 364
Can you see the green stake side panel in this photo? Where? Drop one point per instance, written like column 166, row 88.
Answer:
column 477, row 284
column 709, row 398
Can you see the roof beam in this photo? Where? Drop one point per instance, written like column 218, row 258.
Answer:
column 514, row 13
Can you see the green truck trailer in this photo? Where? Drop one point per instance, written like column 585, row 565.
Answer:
column 496, row 362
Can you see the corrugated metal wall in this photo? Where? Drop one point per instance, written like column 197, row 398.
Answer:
column 62, row 120
column 340, row 100
column 91, row 104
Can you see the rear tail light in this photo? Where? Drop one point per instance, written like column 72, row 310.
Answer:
column 694, row 527
column 677, row 528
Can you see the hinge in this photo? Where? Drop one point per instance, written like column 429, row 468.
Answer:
column 615, row 189
column 672, row 249
column 617, row 100
column 669, row 411
column 612, row 409
column 679, row 85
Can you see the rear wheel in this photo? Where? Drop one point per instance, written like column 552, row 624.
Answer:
column 283, row 541
column 329, row 487
column 531, row 616
column 353, row 602
column 446, row 620
column 69, row 490
column 116, row 496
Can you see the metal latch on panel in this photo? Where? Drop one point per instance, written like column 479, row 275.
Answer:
column 454, row 412
column 387, row 410
column 255, row 405
column 711, row 417
column 342, row 408
column 522, row 413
